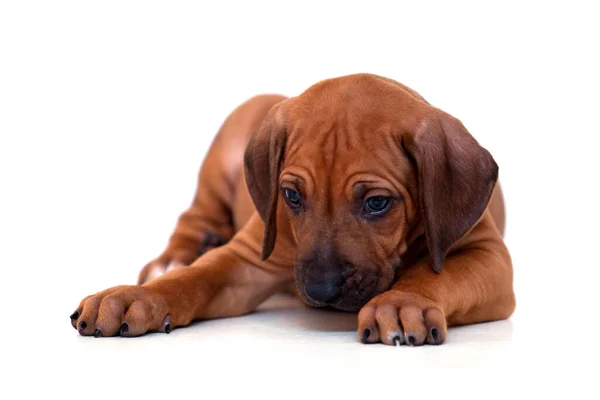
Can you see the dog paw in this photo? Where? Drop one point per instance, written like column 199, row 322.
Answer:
column 396, row 318
column 122, row 310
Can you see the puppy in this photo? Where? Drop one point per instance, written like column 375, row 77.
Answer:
column 357, row 192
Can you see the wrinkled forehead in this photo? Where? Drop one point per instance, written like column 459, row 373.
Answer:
column 333, row 164
column 353, row 111
column 335, row 161
column 340, row 131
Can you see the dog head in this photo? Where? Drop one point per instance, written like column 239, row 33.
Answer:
column 365, row 169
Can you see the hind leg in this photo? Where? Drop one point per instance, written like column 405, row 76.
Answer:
column 212, row 218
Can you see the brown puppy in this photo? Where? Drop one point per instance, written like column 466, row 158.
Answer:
column 366, row 196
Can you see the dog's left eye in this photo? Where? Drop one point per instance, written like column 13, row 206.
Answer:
column 377, row 205
column 293, row 198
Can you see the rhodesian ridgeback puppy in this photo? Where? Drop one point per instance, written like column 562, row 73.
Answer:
column 359, row 193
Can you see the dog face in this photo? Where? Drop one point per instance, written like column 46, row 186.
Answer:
column 363, row 167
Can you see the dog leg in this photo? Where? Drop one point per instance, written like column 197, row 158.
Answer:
column 227, row 281
column 212, row 218
column 475, row 285
column 205, row 225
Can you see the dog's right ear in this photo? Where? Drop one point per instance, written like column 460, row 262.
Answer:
column 263, row 160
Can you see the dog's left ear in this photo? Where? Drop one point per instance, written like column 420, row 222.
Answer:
column 456, row 179
column 263, row 160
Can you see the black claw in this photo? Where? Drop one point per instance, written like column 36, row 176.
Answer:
column 397, row 341
column 124, row 328
column 366, row 334
column 168, row 328
column 82, row 325
column 98, row 333
column 435, row 334
column 412, row 340
column 75, row 315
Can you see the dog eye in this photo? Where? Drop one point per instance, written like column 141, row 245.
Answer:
column 377, row 205
column 293, row 198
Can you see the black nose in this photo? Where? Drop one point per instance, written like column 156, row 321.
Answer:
column 324, row 291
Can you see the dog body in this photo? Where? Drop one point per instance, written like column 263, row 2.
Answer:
column 357, row 192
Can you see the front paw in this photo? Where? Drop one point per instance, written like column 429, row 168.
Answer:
column 122, row 310
column 396, row 318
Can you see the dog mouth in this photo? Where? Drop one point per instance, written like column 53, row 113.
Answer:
column 350, row 294
column 343, row 303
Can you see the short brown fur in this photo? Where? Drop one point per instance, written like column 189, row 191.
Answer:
column 434, row 259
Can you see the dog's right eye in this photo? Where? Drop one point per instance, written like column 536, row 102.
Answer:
column 293, row 198
column 377, row 205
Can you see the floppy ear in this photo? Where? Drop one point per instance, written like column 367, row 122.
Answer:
column 263, row 160
column 456, row 179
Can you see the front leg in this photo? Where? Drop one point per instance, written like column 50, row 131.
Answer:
column 227, row 281
column 475, row 285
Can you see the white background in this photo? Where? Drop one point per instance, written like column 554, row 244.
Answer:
column 107, row 108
